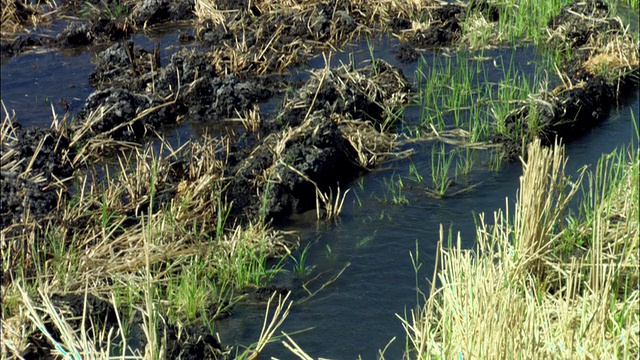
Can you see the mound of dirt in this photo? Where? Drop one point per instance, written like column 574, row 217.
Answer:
column 34, row 160
column 124, row 65
column 580, row 21
column 21, row 196
column 151, row 12
column 122, row 115
column 208, row 95
column 311, row 153
column 259, row 40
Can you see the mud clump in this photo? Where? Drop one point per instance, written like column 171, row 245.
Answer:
column 407, row 54
column 587, row 105
column 34, row 161
column 151, row 12
column 189, row 86
column 122, row 115
column 444, row 28
column 490, row 10
column 311, row 152
column 112, row 21
column 95, row 32
column 316, row 153
column 75, row 34
column 274, row 41
column 192, row 342
column 124, row 65
column 208, row 95
column 22, row 196
column 579, row 22
column 359, row 94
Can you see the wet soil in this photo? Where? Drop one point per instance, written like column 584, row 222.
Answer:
column 36, row 159
column 312, row 153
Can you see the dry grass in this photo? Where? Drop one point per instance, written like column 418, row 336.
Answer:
column 275, row 41
column 513, row 297
column 17, row 15
column 271, row 36
column 269, row 327
column 613, row 56
column 134, row 228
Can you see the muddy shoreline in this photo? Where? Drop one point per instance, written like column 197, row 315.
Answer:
column 327, row 131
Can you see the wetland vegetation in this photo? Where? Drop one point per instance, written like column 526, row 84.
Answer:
column 119, row 242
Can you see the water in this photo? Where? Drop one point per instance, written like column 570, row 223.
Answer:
column 32, row 83
column 355, row 315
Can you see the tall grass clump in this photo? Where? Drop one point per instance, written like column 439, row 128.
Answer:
column 513, row 296
column 517, row 21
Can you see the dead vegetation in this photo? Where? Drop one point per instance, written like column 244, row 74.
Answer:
column 19, row 15
column 273, row 36
column 513, row 292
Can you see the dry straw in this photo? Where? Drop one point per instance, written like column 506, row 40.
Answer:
column 513, row 297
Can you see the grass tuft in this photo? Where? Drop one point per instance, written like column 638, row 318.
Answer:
column 513, row 297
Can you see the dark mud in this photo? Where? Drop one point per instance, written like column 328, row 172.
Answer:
column 281, row 175
column 98, row 22
column 444, row 28
column 34, row 160
column 137, row 96
column 581, row 21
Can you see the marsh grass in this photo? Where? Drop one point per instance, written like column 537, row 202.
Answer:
column 301, row 269
column 457, row 93
column 512, row 296
column 441, row 170
column 393, row 192
column 633, row 4
column 118, row 9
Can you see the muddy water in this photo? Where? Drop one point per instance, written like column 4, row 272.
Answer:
column 32, row 83
column 355, row 314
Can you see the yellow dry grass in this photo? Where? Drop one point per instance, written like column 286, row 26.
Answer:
column 614, row 57
column 19, row 15
column 93, row 246
column 513, row 297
